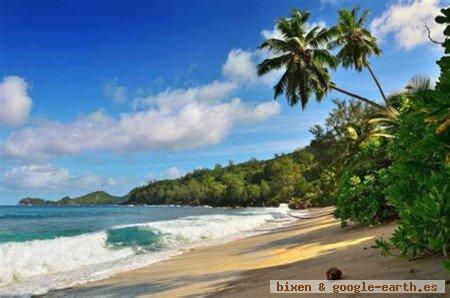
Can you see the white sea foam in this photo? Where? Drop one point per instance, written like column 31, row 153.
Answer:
column 34, row 267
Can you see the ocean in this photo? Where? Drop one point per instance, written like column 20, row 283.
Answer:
column 44, row 248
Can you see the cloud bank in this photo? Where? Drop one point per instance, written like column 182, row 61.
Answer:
column 48, row 176
column 174, row 119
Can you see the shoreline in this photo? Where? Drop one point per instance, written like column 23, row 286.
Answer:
column 304, row 249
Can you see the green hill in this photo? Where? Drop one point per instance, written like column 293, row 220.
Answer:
column 35, row 202
column 306, row 177
column 94, row 198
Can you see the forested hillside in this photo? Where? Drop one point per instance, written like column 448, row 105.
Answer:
column 306, row 177
column 94, row 198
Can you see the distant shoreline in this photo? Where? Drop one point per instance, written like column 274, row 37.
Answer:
column 97, row 198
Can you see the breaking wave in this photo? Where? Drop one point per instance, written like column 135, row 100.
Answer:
column 34, row 267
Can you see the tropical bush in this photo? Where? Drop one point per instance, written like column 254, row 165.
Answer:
column 420, row 172
column 425, row 224
column 419, row 184
column 360, row 196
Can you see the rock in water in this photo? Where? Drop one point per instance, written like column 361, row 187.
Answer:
column 333, row 273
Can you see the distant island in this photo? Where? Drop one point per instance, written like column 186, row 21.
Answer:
column 94, row 198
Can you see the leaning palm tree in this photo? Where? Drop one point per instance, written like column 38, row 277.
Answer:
column 304, row 55
column 356, row 42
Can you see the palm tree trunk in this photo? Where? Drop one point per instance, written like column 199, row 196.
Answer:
column 368, row 101
column 377, row 82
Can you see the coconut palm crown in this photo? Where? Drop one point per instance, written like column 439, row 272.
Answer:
column 304, row 55
column 356, row 43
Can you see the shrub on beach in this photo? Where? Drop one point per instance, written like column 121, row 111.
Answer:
column 419, row 183
column 360, row 196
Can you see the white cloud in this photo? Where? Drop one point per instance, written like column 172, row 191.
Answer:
column 240, row 67
column 274, row 33
column 35, row 176
column 89, row 180
column 173, row 173
column 38, row 176
column 14, row 101
column 177, row 119
column 330, row 2
column 116, row 92
column 320, row 24
column 170, row 173
column 405, row 21
column 259, row 112
column 172, row 99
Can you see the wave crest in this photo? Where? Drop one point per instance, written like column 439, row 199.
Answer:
column 33, row 267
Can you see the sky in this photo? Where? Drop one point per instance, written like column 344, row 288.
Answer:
column 107, row 95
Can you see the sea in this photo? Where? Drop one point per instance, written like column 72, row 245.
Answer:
column 45, row 248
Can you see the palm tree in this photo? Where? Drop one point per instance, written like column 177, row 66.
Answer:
column 384, row 122
column 304, row 54
column 418, row 84
column 357, row 44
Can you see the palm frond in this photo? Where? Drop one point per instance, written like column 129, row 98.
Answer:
column 272, row 64
column 418, row 84
column 352, row 133
column 274, row 45
column 282, row 84
column 326, row 58
column 363, row 18
column 380, row 120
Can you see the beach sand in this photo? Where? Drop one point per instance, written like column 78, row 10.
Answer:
column 304, row 249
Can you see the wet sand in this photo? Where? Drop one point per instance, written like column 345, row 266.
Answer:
column 304, row 249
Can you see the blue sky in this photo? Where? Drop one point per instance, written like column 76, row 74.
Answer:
column 109, row 94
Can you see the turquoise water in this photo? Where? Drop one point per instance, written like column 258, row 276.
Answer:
column 24, row 223
column 43, row 248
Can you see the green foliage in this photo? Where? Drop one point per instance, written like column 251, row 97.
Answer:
column 419, row 187
column 382, row 245
column 446, row 265
column 332, row 146
column 438, row 105
column 419, row 176
column 33, row 202
column 285, row 182
column 417, row 151
column 253, row 183
column 94, row 198
column 360, row 196
column 425, row 225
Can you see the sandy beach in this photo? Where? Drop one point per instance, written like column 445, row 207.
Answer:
column 304, row 249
